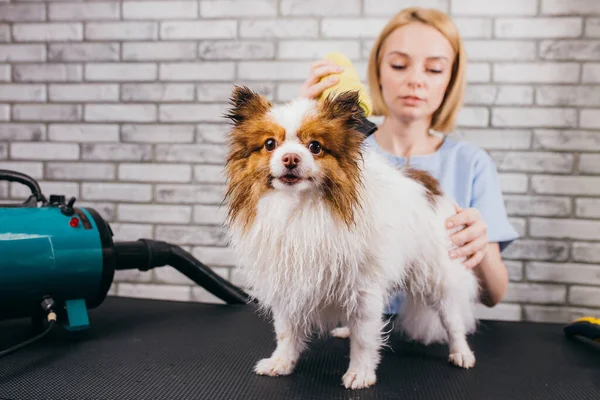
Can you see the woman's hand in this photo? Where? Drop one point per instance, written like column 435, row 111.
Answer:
column 472, row 239
column 312, row 88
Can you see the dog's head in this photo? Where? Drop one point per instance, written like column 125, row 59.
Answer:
column 303, row 146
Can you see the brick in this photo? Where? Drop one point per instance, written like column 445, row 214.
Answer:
column 499, row 94
column 47, row 72
column 44, row 151
column 570, row 50
column 567, row 96
column 508, row 7
column 236, row 50
column 498, row 139
column 559, row 7
column 200, row 153
column 587, row 208
column 4, row 112
column 246, row 9
column 108, row 211
column 158, row 92
column 388, row 8
column 564, row 273
column 584, row 296
column 515, row 270
column 520, row 225
column 190, row 71
column 274, row 70
column 364, row 28
column 217, row 256
column 83, row 52
column 589, row 119
column 22, row 12
column 50, row 32
column 127, row 232
column 83, row 171
column 155, row 172
column 564, row 228
column 22, row 52
column 4, row 33
column 209, row 215
column 592, row 27
column 317, row 8
column 537, row 205
column 3, row 151
column 120, row 113
column 117, row 152
column 191, row 194
column 500, row 50
column 33, row 169
column 287, row 91
column 192, row 235
column 535, row 293
column 157, row 133
column 209, row 174
column 533, row 161
column 201, row 295
column 168, row 274
column 265, row 29
column 154, row 291
column 121, row 31
column 500, row 312
column 122, row 192
column 152, row 213
column 147, row 51
column 537, row 72
column 586, row 252
column 566, row 140
column 132, row 275
column 555, row 314
column 46, row 112
column 589, row 163
column 314, row 49
column 22, row 132
column 93, row 11
column 18, row 93
column 83, row 92
column 69, row 189
column 172, row 9
column 534, row 117
column 590, row 73
column 221, row 92
column 83, row 133
column 191, row 112
column 473, row 117
column 478, row 72
column 574, row 185
column 538, row 27
column 120, row 72
column 205, row 29
column 4, row 73
column 212, row 133
column 539, row 250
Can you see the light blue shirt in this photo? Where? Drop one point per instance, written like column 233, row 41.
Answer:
column 469, row 175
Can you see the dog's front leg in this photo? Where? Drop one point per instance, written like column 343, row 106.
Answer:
column 365, row 341
column 290, row 343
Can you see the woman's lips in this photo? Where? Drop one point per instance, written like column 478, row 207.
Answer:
column 412, row 100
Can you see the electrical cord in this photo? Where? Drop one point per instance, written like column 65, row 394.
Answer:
column 48, row 306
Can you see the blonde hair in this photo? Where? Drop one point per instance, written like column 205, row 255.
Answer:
column 444, row 118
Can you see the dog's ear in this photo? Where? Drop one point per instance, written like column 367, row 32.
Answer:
column 245, row 103
column 346, row 107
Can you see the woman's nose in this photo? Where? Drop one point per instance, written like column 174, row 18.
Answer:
column 415, row 77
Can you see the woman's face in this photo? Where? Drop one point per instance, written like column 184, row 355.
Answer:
column 415, row 71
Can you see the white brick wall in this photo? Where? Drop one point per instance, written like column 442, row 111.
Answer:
column 120, row 103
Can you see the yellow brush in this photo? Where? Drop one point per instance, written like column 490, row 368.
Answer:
column 586, row 327
column 349, row 80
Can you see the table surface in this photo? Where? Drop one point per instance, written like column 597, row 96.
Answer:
column 149, row 349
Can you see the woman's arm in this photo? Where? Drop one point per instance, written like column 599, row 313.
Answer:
column 493, row 275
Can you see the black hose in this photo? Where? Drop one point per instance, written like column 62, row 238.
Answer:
column 145, row 254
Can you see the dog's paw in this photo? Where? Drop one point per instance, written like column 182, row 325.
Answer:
column 274, row 366
column 463, row 360
column 342, row 332
column 359, row 379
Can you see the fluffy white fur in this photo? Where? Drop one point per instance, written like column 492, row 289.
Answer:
column 312, row 271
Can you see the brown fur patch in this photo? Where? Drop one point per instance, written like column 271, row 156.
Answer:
column 431, row 184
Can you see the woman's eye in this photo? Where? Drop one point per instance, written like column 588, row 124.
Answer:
column 314, row 147
column 435, row 71
column 270, row 144
column 398, row 66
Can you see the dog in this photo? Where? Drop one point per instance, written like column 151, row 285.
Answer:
column 324, row 229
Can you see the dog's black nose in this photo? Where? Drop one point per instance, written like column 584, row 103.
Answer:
column 291, row 160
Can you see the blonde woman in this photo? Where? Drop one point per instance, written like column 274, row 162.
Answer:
column 416, row 77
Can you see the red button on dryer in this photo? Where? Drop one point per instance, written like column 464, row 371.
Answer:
column 74, row 222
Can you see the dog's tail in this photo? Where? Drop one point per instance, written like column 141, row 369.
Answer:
column 422, row 323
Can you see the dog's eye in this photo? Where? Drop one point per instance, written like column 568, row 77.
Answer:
column 270, row 144
column 314, row 147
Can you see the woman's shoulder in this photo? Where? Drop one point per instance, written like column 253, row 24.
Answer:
column 467, row 153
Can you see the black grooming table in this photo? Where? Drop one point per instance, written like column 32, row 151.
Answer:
column 144, row 349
